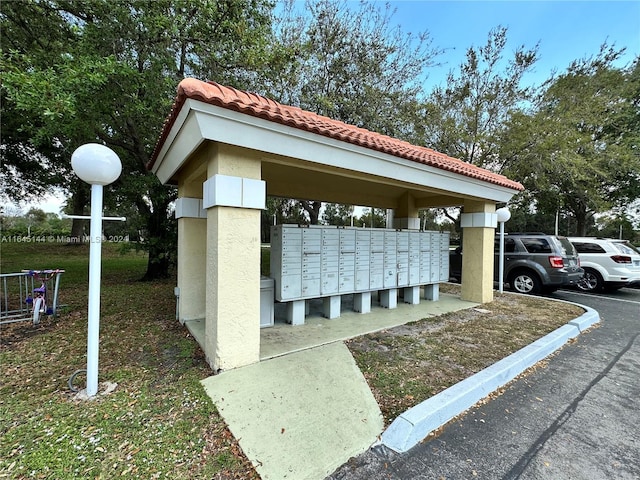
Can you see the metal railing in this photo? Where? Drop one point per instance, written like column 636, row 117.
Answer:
column 16, row 294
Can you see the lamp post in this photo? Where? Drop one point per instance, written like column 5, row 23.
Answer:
column 98, row 166
column 503, row 215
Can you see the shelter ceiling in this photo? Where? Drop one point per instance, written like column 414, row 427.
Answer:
column 307, row 181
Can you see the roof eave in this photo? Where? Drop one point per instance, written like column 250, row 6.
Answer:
column 197, row 122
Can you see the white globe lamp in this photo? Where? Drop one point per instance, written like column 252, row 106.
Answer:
column 98, row 166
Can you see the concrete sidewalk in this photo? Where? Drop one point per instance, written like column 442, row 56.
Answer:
column 299, row 416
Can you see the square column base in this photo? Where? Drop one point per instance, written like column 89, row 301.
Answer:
column 296, row 312
column 432, row 292
column 412, row 295
column 389, row 298
column 331, row 306
column 362, row 302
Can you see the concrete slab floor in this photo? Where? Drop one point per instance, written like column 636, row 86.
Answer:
column 283, row 338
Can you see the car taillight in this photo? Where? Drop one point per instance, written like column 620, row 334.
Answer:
column 556, row 262
column 621, row 259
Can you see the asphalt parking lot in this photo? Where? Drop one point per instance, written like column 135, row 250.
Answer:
column 575, row 417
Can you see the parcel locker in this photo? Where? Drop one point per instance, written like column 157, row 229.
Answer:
column 390, row 278
column 402, row 258
column 311, row 248
column 347, row 260
column 363, row 259
column 414, row 258
column 444, row 257
column 444, row 267
column 329, row 261
column 311, row 275
column 314, row 261
column 286, row 262
column 376, row 261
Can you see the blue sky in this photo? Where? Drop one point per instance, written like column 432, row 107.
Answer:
column 565, row 30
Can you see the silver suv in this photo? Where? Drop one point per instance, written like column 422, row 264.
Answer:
column 609, row 264
column 533, row 262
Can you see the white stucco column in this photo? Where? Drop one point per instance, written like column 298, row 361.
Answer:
column 478, row 221
column 233, row 196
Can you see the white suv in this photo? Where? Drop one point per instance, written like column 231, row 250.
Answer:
column 608, row 264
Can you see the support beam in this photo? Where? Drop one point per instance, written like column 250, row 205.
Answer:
column 478, row 223
column 192, row 245
column 406, row 216
column 192, row 251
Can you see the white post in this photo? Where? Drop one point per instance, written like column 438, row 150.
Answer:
column 503, row 215
column 501, row 263
column 95, row 264
column 98, row 166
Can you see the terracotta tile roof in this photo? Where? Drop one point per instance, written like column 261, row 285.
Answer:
column 261, row 107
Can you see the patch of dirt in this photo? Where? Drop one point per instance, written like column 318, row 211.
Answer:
column 406, row 365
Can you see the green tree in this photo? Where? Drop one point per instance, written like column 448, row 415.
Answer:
column 578, row 152
column 372, row 218
column 338, row 214
column 465, row 117
column 98, row 71
column 278, row 211
column 616, row 226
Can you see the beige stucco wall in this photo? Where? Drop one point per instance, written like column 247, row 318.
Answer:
column 477, row 258
column 232, row 330
column 192, row 245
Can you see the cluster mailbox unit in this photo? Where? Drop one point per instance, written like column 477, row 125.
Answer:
column 327, row 262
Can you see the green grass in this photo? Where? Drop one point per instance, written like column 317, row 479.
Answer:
column 408, row 364
column 158, row 423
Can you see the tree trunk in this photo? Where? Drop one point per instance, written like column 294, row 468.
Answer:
column 157, row 265
column 162, row 233
column 313, row 209
column 79, row 200
column 581, row 223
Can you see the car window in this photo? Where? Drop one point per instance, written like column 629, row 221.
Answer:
column 626, row 248
column 588, row 247
column 565, row 246
column 537, row 245
column 509, row 245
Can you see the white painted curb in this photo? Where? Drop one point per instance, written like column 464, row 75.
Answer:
column 415, row 424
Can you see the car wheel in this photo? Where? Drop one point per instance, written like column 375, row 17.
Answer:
column 591, row 281
column 524, row 281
